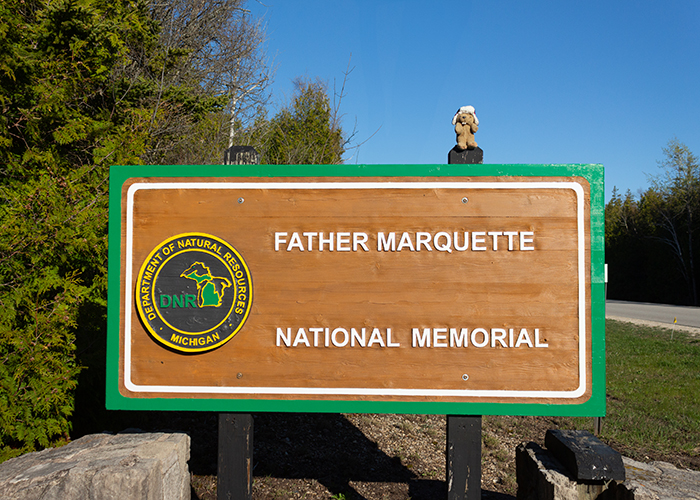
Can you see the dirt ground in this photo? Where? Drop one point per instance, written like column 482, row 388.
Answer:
column 371, row 456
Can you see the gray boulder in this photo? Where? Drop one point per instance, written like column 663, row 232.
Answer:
column 139, row 466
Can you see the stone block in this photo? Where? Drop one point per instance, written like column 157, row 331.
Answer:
column 584, row 455
column 139, row 466
column 541, row 476
column 656, row 481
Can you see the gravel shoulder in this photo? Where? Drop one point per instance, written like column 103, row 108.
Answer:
column 692, row 331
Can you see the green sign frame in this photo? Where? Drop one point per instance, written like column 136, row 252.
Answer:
column 593, row 173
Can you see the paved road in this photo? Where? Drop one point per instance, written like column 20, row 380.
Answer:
column 657, row 313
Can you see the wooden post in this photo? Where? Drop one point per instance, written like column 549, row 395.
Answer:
column 235, row 474
column 241, row 155
column 463, row 467
column 235, row 458
column 463, row 471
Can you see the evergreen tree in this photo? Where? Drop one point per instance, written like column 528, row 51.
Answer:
column 307, row 132
column 84, row 84
column 651, row 242
column 61, row 130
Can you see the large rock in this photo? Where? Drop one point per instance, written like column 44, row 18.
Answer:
column 657, row 481
column 138, row 466
column 542, row 477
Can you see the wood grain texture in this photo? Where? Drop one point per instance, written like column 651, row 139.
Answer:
column 399, row 290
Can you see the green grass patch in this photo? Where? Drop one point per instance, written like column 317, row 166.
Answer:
column 653, row 388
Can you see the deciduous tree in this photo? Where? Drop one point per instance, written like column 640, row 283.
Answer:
column 679, row 189
column 208, row 78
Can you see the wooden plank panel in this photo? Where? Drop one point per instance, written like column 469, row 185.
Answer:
column 400, row 290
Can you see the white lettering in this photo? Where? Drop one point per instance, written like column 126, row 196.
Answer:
column 447, row 247
column 322, row 241
column 375, row 338
column 524, row 240
column 422, row 239
column 498, row 334
column 301, row 338
column 386, row 243
column 461, row 340
column 495, row 235
column 286, row 338
column 334, row 338
column 439, row 337
column 523, row 338
column 315, row 331
column 419, row 340
column 342, row 239
column 510, row 235
column 466, row 242
column 359, row 239
column 442, row 241
column 478, row 238
column 389, row 343
column 279, row 240
column 354, row 335
column 310, row 239
column 295, row 242
column 537, row 339
column 481, row 331
column 405, row 242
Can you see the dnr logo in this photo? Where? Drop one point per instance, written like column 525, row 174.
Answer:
column 194, row 292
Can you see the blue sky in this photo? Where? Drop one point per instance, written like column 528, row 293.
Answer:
column 552, row 82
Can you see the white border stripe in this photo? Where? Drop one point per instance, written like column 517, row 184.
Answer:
column 350, row 391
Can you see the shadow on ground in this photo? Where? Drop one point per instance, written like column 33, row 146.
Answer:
column 331, row 450
column 297, row 446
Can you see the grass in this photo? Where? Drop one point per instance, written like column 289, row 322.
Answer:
column 653, row 391
column 653, row 388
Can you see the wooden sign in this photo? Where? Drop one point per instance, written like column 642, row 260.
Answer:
column 452, row 293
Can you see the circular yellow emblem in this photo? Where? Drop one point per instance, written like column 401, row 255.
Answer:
column 194, row 292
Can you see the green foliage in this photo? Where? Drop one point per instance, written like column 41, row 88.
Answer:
column 81, row 88
column 306, row 132
column 85, row 84
column 651, row 242
column 61, row 126
column 633, row 253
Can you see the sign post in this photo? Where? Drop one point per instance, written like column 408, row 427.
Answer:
column 235, row 443
column 357, row 288
column 235, row 456
column 463, row 436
